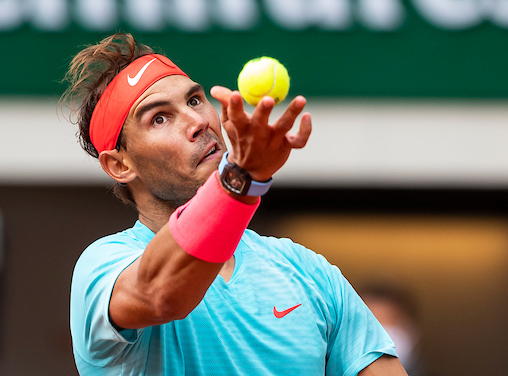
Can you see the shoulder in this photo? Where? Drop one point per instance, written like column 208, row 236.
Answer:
column 285, row 250
column 114, row 247
column 254, row 240
column 103, row 260
column 283, row 246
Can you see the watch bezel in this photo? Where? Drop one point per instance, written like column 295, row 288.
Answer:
column 233, row 171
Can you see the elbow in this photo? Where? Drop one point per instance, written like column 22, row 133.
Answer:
column 170, row 312
column 171, row 307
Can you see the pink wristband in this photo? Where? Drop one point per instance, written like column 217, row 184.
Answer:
column 212, row 223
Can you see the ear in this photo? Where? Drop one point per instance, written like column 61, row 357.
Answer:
column 117, row 166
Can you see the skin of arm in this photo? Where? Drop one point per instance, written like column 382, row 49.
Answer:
column 386, row 365
column 166, row 283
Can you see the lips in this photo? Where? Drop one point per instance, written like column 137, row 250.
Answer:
column 211, row 150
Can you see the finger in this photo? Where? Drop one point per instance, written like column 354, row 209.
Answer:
column 262, row 112
column 286, row 121
column 299, row 140
column 222, row 94
column 236, row 112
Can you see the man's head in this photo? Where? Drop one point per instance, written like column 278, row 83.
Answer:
column 127, row 95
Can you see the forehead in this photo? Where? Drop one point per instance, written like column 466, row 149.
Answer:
column 170, row 87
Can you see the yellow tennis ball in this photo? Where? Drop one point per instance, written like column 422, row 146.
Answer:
column 263, row 76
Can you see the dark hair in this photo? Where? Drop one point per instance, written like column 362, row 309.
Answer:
column 90, row 72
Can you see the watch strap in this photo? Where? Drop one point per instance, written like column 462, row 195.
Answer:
column 256, row 188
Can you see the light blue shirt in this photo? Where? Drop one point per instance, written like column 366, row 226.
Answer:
column 234, row 330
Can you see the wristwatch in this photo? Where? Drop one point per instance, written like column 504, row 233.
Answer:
column 238, row 181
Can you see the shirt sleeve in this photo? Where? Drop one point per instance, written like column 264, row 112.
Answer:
column 357, row 338
column 94, row 338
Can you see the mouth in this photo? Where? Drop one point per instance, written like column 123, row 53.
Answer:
column 211, row 153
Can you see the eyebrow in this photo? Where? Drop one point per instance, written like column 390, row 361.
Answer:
column 194, row 89
column 146, row 108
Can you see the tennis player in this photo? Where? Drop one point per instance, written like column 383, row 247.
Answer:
column 188, row 290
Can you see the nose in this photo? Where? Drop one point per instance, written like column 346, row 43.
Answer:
column 196, row 124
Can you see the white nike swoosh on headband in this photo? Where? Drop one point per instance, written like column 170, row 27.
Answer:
column 134, row 80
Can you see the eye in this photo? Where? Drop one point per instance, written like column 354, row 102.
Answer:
column 159, row 119
column 193, row 102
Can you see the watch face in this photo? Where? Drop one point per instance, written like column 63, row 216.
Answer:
column 236, row 179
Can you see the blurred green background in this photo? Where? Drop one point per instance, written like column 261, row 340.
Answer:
column 345, row 48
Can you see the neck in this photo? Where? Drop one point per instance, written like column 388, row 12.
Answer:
column 154, row 215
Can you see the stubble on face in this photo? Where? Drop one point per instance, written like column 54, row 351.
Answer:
column 172, row 185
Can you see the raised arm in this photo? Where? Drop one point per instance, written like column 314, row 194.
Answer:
column 166, row 283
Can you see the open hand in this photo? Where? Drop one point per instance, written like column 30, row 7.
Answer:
column 258, row 147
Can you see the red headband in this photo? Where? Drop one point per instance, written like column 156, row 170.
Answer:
column 116, row 101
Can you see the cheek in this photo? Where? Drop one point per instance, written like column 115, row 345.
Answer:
column 155, row 155
column 215, row 123
column 211, row 113
column 158, row 142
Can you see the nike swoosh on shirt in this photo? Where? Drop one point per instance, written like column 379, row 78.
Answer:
column 281, row 314
column 134, row 80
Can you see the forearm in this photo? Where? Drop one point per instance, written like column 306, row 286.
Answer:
column 182, row 260
column 169, row 282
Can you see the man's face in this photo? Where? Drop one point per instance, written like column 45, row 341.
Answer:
column 173, row 139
